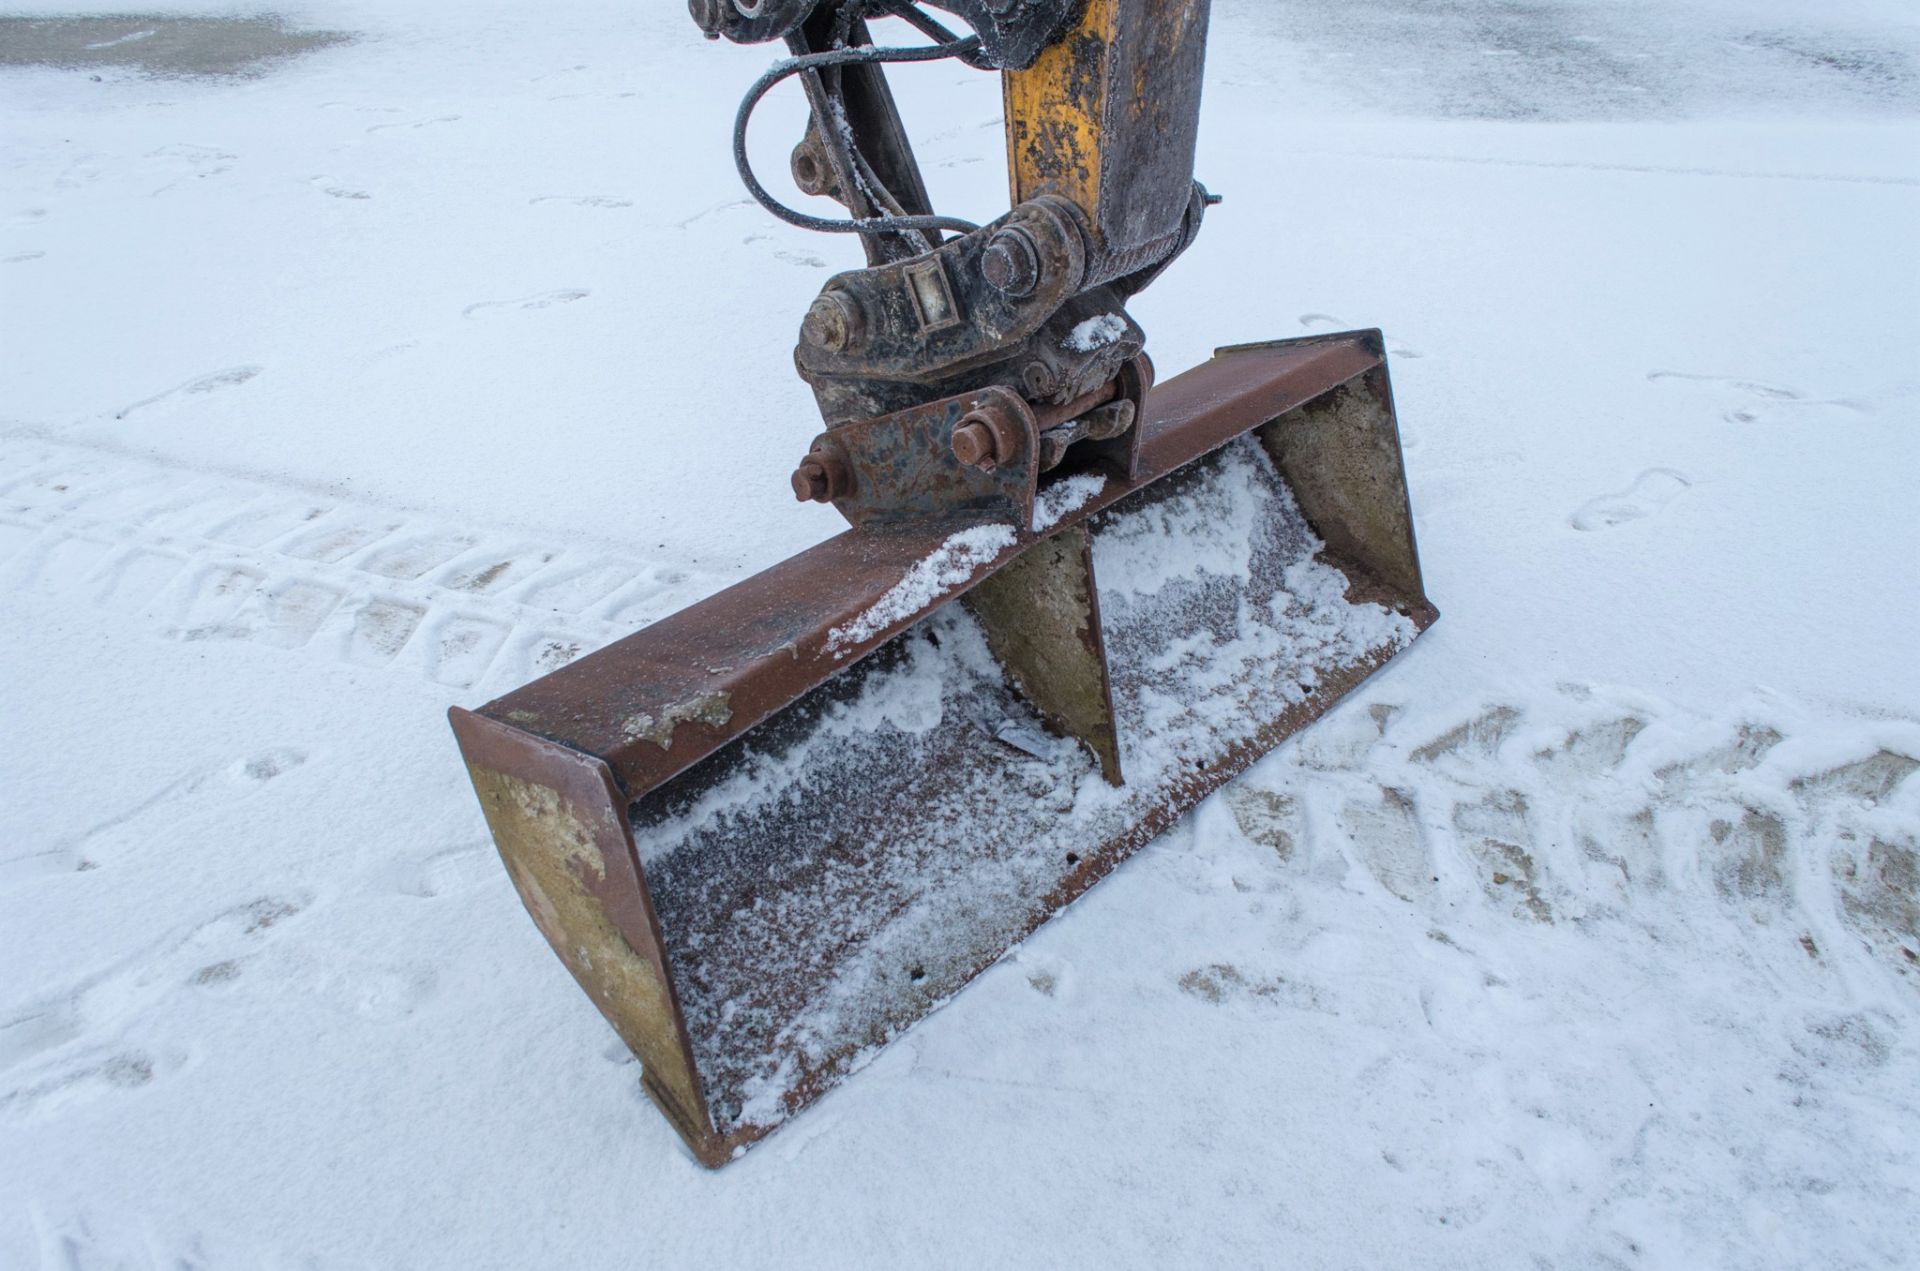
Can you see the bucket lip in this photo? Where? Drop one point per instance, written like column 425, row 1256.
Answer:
column 658, row 701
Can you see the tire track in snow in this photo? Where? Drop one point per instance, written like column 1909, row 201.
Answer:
column 206, row 557
column 1584, row 803
column 1646, row 932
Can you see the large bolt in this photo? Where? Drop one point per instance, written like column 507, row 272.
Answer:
column 832, row 323
column 810, row 482
column 820, row 478
column 984, row 437
column 973, row 445
column 1011, row 263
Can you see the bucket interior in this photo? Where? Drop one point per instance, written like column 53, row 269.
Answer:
column 833, row 875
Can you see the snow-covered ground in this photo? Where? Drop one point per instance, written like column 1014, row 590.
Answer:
column 1587, row 935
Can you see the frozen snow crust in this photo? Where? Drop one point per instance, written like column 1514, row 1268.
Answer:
column 420, row 365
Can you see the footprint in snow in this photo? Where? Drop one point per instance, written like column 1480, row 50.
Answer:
column 806, row 259
column 200, row 385
column 715, row 210
column 551, row 652
column 82, row 1241
column 1753, row 388
column 105, row 841
column 541, row 300
column 379, row 991
column 448, row 872
column 100, row 1073
column 582, row 200
column 1650, row 491
column 1221, row 983
column 1755, row 391
column 188, row 162
column 70, row 1045
column 1318, row 322
column 418, row 123
column 1046, row 974
column 334, row 190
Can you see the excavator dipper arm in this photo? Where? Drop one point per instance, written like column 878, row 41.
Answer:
column 1102, row 101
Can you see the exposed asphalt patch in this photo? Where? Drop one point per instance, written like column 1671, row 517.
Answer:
column 160, row 44
column 1561, row 60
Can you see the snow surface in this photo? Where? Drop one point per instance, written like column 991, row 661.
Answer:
column 947, row 567
column 1583, row 936
column 1065, row 497
column 1095, row 333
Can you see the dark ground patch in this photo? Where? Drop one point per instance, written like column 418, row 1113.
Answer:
column 160, row 44
column 1590, row 59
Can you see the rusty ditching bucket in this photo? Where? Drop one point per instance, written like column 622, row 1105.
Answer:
column 770, row 832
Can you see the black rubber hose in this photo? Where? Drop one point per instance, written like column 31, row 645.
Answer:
column 821, row 61
column 929, row 27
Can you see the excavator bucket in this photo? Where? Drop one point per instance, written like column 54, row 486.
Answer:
column 770, row 832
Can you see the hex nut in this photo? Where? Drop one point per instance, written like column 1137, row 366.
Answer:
column 985, row 437
column 973, row 445
column 822, row 476
column 810, row 482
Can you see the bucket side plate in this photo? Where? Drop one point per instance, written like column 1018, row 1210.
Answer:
column 561, row 828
